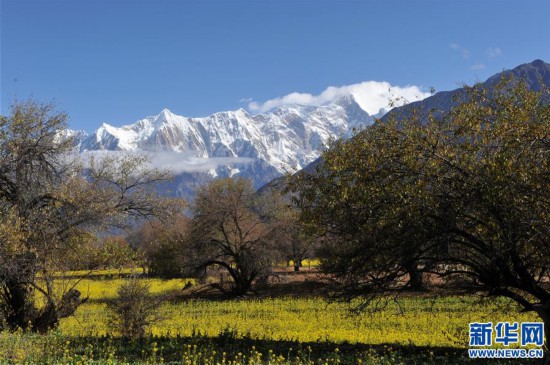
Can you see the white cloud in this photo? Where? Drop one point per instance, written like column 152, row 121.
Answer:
column 464, row 52
column 372, row 96
column 175, row 162
column 493, row 52
column 178, row 162
column 478, row 66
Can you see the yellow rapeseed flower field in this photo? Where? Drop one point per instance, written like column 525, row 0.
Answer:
column 284, row 330
column 416, row 321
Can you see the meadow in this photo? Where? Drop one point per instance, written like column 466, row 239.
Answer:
column 281, row 330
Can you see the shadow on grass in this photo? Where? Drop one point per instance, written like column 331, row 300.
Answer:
column 228, row 347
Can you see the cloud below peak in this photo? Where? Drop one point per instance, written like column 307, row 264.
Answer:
column 172, row 161
column 372, row 96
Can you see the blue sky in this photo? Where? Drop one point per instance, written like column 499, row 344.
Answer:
column 118, row 61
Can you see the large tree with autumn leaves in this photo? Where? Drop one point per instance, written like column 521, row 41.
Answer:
column 50, row 203
column 464, row 193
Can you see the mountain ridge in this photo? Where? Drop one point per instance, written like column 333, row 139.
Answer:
column 230, row 143
column 261, row 147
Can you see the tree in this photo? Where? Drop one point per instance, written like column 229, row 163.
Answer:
column 113, row 252
column 357, row 204
column 232, row 230
column 462, row 194
column 163, row 246
column 49, row 201
column 293, row 243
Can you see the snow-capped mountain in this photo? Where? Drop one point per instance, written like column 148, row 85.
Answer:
column 260, row 147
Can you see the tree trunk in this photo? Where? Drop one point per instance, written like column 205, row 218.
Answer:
column 48, row 318
column 16, row 305
column 297, row 265
column 21, row 312
column 241, row 284
column 416, row 279
column 241, row 287
column 18, row 296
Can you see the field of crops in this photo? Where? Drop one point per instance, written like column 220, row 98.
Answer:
column 273, row 330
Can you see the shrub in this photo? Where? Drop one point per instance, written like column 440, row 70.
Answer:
column 134, row 309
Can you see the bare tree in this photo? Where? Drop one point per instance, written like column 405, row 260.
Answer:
column 232, row 230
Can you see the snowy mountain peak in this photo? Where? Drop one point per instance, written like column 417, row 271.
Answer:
column 165, row 114
column 260, row 147
column 345, row 100
column 241, row 112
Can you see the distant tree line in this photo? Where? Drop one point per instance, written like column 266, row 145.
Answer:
column 232, row 233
